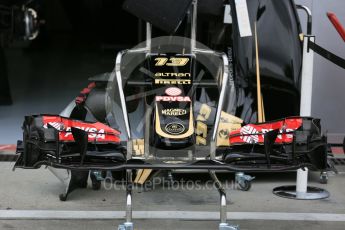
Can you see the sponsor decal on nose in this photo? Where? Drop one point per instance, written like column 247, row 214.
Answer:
column 174, row 128
column 173, row 91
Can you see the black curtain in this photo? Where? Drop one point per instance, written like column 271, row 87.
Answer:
column 5, row 96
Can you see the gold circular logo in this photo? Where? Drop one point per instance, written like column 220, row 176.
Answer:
column 174, row 128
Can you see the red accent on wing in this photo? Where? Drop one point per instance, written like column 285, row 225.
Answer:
column 254, row 133
column 336, row 23
column 337, row 150
column 8, row 147
column 98, row 132
column 80, row 99
column 91, row 85
column 84, row 93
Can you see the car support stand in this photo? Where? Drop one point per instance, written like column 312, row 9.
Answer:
column 302, row 191
column 128, row 225
column 223, row 212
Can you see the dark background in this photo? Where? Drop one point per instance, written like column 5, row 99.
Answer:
column 79, row 39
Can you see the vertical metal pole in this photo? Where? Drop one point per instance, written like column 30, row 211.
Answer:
column 220, row 106
column 194, row 25
column 305, row 110
column 306, row 93
column 148, row 36
column 222, row 208
column 128, row 225
column 222, row 194
column 129, row 196
column 301, row 182
column 307, row 77
column 223, row 225
column 306, row 100
column 222, row 95
column 121, row 93
column 129, row 208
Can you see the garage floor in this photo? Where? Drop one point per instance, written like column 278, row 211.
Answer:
column 37, row 190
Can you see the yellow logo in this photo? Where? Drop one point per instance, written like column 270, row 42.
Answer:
column 172, row 74
column 172, row 82
column 173, row 61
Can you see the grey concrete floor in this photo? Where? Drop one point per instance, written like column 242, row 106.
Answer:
column 171, row 225
column 39, row 190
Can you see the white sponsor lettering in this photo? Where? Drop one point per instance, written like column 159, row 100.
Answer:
column 249, row 134
column 287, row 131
column 93, row 132
column 174, row 112
column 170, row 98
column 57, row 125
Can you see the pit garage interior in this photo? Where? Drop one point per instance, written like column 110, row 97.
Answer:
column 49, row 50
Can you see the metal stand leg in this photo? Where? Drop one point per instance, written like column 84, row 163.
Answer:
column 71, row 179
column 301, row 191
column 128, row 225
column 223, row 211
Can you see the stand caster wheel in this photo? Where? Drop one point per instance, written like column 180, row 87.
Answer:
column 245, row 185
column 96, row 179
column 63, row 197
column 323, row 178
column 244, row 181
